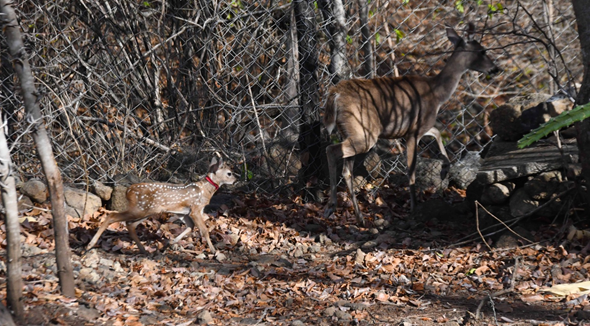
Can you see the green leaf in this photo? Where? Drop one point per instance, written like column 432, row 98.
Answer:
column 471, row 271
column 399, row 35
column 459, row 6
column 378, row 38
column 348, row 39
column 565, row 119
column 405, row 2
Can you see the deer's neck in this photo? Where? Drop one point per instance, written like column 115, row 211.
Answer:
column 446, row 82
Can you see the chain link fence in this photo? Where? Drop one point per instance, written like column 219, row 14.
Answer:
column 156, row 88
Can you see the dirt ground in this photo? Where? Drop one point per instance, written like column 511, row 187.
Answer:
column 280, row 262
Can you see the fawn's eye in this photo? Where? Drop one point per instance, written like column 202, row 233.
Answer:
column 229, row 174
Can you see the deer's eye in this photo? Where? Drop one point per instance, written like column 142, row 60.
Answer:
column 229, row 174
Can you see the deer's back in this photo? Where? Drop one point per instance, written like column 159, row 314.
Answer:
column 164, row 197
column 387, row 105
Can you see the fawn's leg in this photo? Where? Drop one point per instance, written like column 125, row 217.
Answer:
column 189, row 227
column 131, row 227
column 197, row 216
column 111, row 218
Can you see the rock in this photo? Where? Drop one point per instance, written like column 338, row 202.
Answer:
column 102, row 191
column 497, row 193
column 24, row 204
column 89, row 314
column 149, row 320
column 126, row 179
column 28, row 250
column 75, row 198
column 509, row 240
column 504, row 161
column 297, row 323
column 35, row 189
column 90, row 259
column 501, row 212
column 434, row 209
column 542, row 186
column 521, row 203
column 573, row 170
column 504, row 122
column 89, row 275
column 219, row 256
column 559, row 106
column 342, row 315
column 360, row 257
column 428, row 174
column 204, row 318
column 118, row 199
column 463, row 172
column 330, row 311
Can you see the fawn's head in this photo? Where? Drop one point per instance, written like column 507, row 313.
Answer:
column 220, row 172
column 472, row 55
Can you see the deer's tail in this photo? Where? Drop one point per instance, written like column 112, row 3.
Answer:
column 330, row 112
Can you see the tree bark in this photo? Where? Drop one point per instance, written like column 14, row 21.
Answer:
column 582, row 12
column 308, row 58
column 14, row 280
column 368, row 65
column 335, row 21
column 43, row 144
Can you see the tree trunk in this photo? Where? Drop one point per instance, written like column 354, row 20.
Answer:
column 366, row 39
column 335, row 21
column 308, row 58
column 582, row 12
column 14, row 287
column 291, row 114
column 44, row 150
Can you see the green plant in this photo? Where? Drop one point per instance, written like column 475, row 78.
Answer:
column 565, row 119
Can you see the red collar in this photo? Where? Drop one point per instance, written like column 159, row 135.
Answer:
column 213, row 183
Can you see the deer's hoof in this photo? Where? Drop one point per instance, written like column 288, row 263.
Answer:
column 329, row 211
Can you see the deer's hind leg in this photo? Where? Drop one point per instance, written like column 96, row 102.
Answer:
column 347, row 150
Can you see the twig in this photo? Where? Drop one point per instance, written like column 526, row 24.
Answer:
column 498, row 293
column 513, row 221
column 111, row 124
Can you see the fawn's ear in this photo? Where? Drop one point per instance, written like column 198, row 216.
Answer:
column 215, row 164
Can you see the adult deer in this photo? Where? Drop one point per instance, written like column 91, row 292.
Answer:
column 364, row 110
column 148, row 199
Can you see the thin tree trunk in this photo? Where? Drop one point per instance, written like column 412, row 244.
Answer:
column 291, row 114
column 308, row 58
column 582, row 12
column 366, row 39
column 44, row 150
column 335, row 20
column 14, row 287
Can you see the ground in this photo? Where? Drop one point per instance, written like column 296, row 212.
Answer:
column 280, row 262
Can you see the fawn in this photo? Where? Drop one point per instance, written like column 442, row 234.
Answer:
column 364, row 110
column 147, row 199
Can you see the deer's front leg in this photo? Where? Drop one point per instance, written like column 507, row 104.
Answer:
column 197, row 217
column 333, row 153
column 411, row 144
column 434, row 132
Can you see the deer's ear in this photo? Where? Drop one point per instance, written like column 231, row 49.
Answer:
column 215, row 164
column 470, row 31
column 454, row 37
